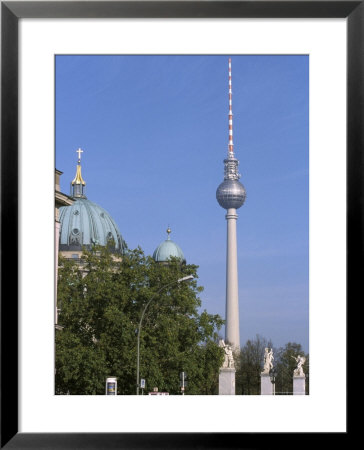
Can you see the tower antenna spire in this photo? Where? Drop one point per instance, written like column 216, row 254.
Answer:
column 231, row 143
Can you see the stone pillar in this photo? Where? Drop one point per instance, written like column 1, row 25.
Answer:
column 227, row 381
column 299, row 384
column 232, row 334
column 266, row 386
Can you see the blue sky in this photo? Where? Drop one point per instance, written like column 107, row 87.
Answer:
column 154, row 130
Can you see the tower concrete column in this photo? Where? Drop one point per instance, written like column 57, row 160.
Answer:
column 232, row 334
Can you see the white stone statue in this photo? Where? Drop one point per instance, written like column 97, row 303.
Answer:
column 300, row 360
column 268, row 360
column 229, row 359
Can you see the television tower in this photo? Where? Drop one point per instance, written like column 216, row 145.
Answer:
column 231, row 196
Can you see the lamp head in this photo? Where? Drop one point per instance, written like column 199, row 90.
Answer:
column 188, row 277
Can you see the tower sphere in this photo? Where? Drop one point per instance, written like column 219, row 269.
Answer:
column 231, row 194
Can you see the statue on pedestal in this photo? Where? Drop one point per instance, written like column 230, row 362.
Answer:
column 300, row 360
column 268, row 360
column 229, row 359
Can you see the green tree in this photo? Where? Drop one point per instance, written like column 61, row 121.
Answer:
column 250, row 365
column 101, row 304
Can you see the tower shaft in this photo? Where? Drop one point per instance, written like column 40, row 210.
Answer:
column 231, row 196
column 232, row 334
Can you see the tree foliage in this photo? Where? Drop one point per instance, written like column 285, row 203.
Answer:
column 100, row 308
column 250, row 365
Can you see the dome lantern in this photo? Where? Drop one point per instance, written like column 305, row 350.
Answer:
column 78, row 183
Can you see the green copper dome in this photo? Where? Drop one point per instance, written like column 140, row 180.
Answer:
column 85, row 223
column 168, row 249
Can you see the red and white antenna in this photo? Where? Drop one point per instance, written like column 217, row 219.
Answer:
column 231, row 163
column 231, row 144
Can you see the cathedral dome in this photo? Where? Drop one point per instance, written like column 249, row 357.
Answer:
column 168, row 249
column 85, row 223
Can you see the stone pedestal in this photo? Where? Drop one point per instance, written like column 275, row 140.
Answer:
column 299, row 385
column 227, row 381
column 266, row 386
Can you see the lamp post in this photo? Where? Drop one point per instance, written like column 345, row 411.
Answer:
column 273, row 374
column 180, row 280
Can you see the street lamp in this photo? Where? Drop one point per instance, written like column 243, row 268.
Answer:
column 180, row 280
column 273, row 374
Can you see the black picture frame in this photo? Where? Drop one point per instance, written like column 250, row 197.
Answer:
column 11, row 12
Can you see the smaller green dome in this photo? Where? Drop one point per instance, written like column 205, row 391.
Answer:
column 167, row 249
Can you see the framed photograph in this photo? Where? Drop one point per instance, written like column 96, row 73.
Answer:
column 42, row 39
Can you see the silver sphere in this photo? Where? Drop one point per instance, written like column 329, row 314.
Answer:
column 231, row 194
